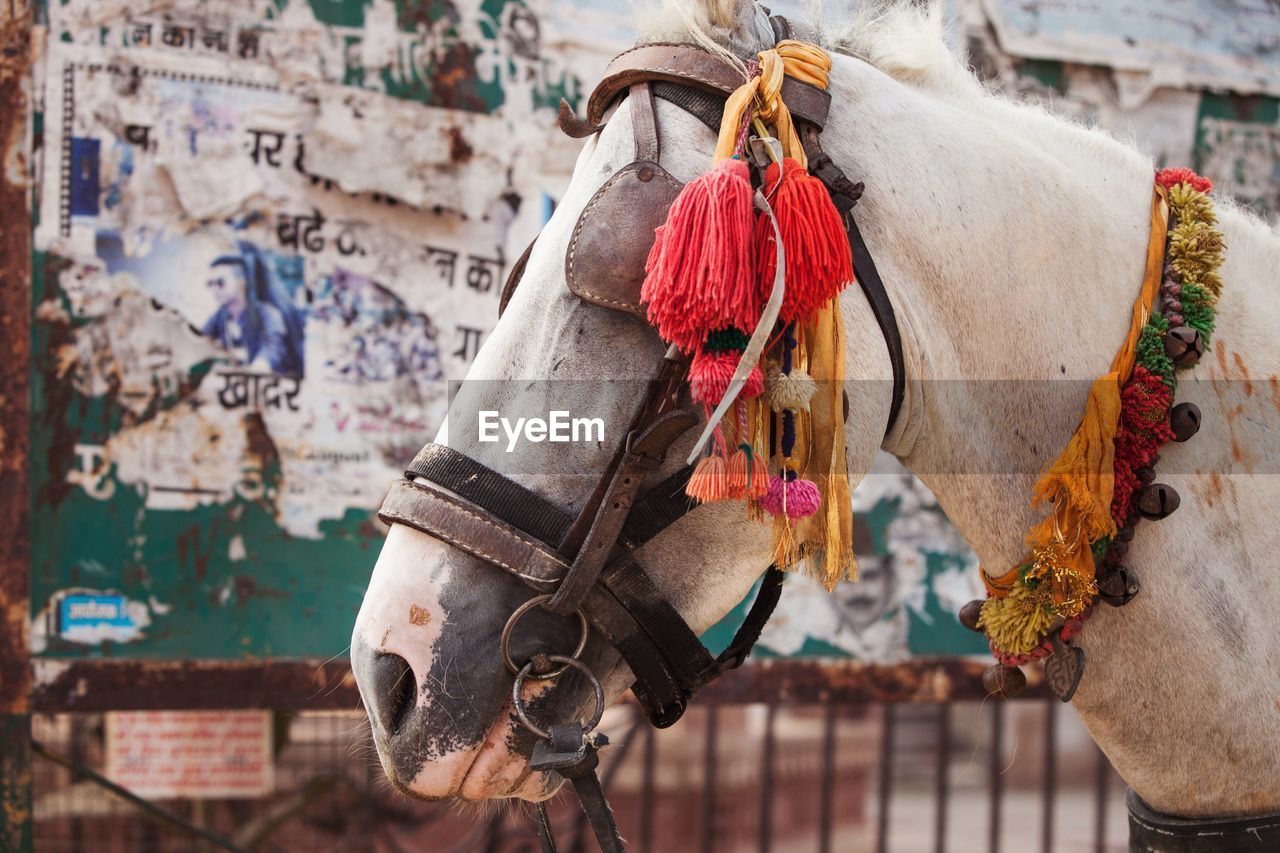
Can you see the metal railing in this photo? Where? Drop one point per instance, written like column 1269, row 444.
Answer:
column 897, row 778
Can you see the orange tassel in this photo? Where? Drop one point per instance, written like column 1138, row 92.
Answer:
column 739, row 474
column 701, row 274
column 709, row 481
column 819, row 263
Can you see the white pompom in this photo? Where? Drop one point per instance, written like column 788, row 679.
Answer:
column 789, row 390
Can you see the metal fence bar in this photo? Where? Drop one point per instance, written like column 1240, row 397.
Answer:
column 1101, row 780
column 766, row 779
column 133, row 799
column 995, row 776
column 828, row 779
column 710, row 764
column 1050, row 774
column 885, row 790
column 105, row 684
column 941, row 781
column 646, row 791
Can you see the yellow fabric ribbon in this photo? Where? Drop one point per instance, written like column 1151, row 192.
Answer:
column 1080, row 482
column 829, row 533
column 763, row 93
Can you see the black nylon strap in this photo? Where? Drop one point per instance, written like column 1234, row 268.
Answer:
column 705, row 107
column 591, row 795
column 654, row 511
column 492, row 492
column 864, row 267
column 1161, row 833
column 844, row 195
column 661, row 506
column 657, row 687
column 744, row 639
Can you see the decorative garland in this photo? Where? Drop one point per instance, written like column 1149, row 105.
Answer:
column 745, row 277
column 1104, row 481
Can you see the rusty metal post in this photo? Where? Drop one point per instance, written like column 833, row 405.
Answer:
column 15, row 363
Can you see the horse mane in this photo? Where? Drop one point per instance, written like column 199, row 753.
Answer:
column 911, row 42
column 908, row 40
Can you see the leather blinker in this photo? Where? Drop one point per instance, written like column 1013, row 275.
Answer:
column 605, row 261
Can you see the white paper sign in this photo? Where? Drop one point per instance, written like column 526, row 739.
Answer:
column 196, row 754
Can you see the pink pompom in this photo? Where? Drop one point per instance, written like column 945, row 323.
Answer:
column 710, row 374
column 794, row 498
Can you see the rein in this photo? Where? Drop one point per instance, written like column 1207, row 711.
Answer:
column 586, row 565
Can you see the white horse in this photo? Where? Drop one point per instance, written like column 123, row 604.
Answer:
column 1012, row 243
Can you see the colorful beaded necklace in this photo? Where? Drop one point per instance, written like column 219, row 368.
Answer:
column 1103, row 483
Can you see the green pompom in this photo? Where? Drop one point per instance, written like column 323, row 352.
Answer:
column 1151, row 354
column 1197, row 309
column 726, row 340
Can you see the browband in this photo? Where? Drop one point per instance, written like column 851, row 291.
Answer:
column 692, row 66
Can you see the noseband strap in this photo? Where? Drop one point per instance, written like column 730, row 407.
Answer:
column 474, row 508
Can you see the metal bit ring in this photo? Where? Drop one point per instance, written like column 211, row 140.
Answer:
column 504, row 646
column 526, row 672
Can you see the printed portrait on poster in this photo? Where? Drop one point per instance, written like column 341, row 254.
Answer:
column 256, row 320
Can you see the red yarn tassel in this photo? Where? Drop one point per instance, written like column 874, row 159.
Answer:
column 711, row 373
column 819, row 263
column 1143, row 430
column 701, row 271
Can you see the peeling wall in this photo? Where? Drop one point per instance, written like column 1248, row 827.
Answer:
column 270, row 231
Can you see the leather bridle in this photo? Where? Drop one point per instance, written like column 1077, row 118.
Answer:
column 586, row 563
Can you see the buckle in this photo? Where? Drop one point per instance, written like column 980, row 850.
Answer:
column 641, row 459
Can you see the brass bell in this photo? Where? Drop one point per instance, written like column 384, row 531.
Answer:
column 1118, row 587
column 969, row 614
column 1184, row 420
column 1006, row 681
column 1184, row 345
column 1157, row 501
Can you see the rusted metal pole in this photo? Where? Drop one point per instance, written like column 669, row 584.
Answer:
column 15, row 414
column 1050, row 790
column 710, row 767
column 767, row 779
column 646, row 791
column 827, row 803
column 1101, row 784
column 885, row 789
column 942, row 779
column 995, row 777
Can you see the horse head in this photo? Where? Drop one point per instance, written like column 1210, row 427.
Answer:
column 1011, row 242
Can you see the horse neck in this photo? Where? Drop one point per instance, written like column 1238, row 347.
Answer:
column 1013, row 245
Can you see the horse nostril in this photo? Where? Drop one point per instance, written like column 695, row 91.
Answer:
column 396, row 690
